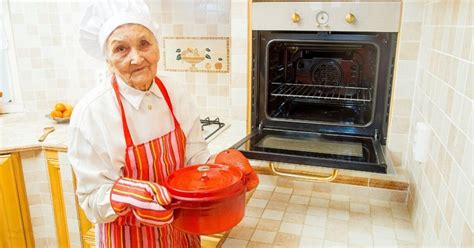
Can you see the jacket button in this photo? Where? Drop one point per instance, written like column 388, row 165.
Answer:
column 149, row 107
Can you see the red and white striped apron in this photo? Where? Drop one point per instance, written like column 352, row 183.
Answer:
column 151, row 161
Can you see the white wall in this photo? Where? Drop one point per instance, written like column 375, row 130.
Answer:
column 53, row 67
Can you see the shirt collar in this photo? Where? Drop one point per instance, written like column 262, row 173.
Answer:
column 134, row 96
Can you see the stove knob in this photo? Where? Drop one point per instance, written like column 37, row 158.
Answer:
column 295, row 17
column 350, row 18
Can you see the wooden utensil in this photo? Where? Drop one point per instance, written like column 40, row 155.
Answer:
column 46, row 131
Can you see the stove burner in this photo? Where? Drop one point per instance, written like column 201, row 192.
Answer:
column 207, row 122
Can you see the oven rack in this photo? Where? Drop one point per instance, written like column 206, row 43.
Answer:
column 323, row 92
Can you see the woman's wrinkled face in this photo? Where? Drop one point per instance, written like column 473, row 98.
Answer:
column 133, row 54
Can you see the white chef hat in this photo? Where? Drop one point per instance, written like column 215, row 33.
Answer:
column 102, row 17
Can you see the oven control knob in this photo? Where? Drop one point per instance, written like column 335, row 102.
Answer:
column 295, row 17
column 350, row 18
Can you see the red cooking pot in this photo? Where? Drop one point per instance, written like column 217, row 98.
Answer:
column 207, row 199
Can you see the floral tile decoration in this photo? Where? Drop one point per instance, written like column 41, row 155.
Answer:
column 196, row 54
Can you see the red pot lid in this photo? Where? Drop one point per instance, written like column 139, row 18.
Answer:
column 205, row 180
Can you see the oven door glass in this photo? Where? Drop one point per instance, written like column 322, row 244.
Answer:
column 335, row 151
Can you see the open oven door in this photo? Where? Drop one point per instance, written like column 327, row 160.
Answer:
column 327, row 150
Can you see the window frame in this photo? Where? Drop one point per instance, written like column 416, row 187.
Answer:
column 16, row 104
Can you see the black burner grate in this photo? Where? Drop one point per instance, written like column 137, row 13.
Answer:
column 208, row 122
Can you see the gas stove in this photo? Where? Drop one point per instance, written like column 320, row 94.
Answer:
column 211, row 127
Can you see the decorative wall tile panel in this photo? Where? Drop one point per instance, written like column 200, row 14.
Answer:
column 196, row 54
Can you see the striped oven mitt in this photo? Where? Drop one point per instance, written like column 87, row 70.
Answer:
column 145, row 200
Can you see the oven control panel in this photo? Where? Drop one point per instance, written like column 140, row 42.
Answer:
column 327, row 16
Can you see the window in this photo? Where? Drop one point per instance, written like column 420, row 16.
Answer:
column 10, row 99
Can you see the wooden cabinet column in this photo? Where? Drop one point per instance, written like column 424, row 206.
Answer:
column 58, row 198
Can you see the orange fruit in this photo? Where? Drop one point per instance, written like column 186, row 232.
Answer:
column 67, row 114
column 60, row 107
column 56, row 114
column 68, row 107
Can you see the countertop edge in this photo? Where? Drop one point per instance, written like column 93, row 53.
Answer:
column 20, row 149
column 26, row 148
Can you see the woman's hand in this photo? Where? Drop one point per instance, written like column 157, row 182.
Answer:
column 146, row 200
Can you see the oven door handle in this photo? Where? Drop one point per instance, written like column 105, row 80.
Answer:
column 327, row 178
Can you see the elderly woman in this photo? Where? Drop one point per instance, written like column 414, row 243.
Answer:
column 128, row 135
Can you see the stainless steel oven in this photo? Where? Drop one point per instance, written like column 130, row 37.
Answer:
column 320, row 97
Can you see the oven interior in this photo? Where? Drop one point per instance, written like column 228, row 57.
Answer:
column 329, row 83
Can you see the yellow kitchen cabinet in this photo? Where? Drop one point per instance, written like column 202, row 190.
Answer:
column 58, row 199
column 15, row 224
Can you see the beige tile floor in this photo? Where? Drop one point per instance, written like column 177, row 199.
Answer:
column 281, row 217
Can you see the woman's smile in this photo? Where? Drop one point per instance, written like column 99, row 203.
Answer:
column 139, row 70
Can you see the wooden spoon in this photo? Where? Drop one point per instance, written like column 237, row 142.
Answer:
column 46, row 131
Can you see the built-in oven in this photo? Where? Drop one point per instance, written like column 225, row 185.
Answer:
column 319, row 97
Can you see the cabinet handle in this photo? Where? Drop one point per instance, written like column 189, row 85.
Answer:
column 327, row 178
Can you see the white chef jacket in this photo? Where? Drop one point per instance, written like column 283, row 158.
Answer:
column 97, row 146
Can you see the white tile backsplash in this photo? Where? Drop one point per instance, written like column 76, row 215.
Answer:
column 53, row 68
column 441, row 189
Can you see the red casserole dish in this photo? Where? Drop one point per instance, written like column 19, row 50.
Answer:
column 208, row 198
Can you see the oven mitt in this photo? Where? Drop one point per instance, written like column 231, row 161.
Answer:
column 145, row 200
column 233, row 157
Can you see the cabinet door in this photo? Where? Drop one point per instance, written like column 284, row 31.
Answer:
column 15, row 228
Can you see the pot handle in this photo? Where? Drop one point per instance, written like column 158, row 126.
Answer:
column 174, row 205
column 327, row 178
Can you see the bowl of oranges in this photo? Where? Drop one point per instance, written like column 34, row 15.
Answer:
column 61, row 113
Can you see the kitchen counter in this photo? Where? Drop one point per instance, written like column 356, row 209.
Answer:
column 20, row 132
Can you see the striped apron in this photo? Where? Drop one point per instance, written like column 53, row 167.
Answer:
column 151, row 161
